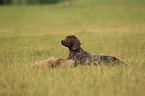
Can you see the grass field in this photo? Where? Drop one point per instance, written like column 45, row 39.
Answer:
column 32, row 33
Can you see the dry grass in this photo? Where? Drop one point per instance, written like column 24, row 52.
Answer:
column 34, row 33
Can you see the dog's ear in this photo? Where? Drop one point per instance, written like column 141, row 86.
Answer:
column 76, row 44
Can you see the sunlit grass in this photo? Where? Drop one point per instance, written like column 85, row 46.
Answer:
column 34, row 33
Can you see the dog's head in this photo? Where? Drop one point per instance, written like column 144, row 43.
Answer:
column 72, row 42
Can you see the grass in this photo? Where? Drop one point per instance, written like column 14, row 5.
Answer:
column 32, row 33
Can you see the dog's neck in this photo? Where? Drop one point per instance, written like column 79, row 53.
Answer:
column 78, row 50
column 75, row 54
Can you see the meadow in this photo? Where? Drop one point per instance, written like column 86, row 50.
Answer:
column 34, row 32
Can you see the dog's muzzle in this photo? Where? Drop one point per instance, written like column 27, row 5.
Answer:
column 63, row 43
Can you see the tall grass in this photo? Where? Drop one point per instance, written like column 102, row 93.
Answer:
column 34, row 33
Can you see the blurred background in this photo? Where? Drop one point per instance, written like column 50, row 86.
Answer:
column 27, row 2
column 93, row 21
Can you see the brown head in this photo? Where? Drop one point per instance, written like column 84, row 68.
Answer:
column 72, row 42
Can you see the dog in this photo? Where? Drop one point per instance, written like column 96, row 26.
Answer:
column 80, row 56
column 54, row 62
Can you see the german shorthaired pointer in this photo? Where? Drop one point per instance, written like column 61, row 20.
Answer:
column 77, row 54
